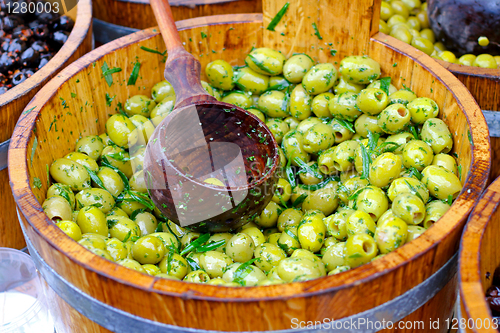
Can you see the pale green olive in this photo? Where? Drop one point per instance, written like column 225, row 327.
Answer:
column 293, row 147
column 249, row 80
column 129, row 204
column 289, row 241
column 220, row 74
column 168, row 239
column 225, row 236
column 359, row 250
column 300, row 103
column 401, row 139
column 97, row 197
column 273, row 104
column 403, row 96
column 292, row 122
column 148, row 250
column 320, row 78
column 278, row 128
column 320, row 103
column 283, row 191
column 442, row 184
column 417, row 154
column 91, row 240
column 91, row 145
column 414, row 231
column 359, row 69
column 373, row 201
column 365, row 123
column 111, row 181
column 252, row 278
column 58, row 189
column 303, row 253
column 105, row 139
column 289, row 217
column 265, row 61
column 341, row 132
column 394, row 118
column 317, row 138
column 189, row 237
column 306, row 124
column 273, row 238
column 401, row 32
column 119, row 158
column 123, row 228
column 144, row 129
column 117, row 212
column 121, row 131
column 395, row 19
column 278, row 82
column 437, row 134
column 422, row 108
column 434, row 210
column 132, row 264
column 409, row 208
column 239, row 99
column 334, row 256
column 146, row 221
column 297, row 269
column 71, row 229
column 360, row 222
column 339, row 269
column 378, row 84
column 296, row 67
column 198, row 276
column 344, row 86
column 256, row 235
column 92, row 219
column 350, row 187
column 240, row 247
column 408, row 185
column 116, row 249
column 385, row 169
column 69, row 172
column 162, row 90
column 269, row 216
column 324, row 200
column 268, row 256
column 137, row 182
column 391, row 235
column 372, row 101
column 214, row 263
column 151, row 269
column 84, row 160
column 256, row 112
column 343, row 106
column 311, row 231
column 446, row 161
column 336, row 223
column 386, row 11
column 139, row 104
column 423, row 44
column 162, row 109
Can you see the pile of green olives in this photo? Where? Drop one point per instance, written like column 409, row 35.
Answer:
column 407, row 20
column 365, row 168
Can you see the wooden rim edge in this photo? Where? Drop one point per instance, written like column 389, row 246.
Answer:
column 489, row 73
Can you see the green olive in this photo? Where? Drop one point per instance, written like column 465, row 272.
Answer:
column 300, row 103
column 252, row 278
column 162, row 109
column 341, row 132
column 394, row 118
column 414, row 231
column 162, row 90
column 400, row 8
column 132, row 264
column 359, row 69
column 343, row 106
column 385, row 169
column 116, row 249
column 446, row 161
column 256, row 235
column 434, row 210
column 320, row 78
column 359, row 250
column 372, row 101
column 366, row 123
column 360, row 222
column 312, row 231
column 139, row 104
column 239, row 99
column 148, row 250
column 214, row 263
column 84, row 160
column 417, row 154
column 58, row 189
column 336, row 223
column 320, row 103
column 266, row 61
column 123, row 228
column 146, row 221
column 403, row 96
column 97, row 197
column 395, row 19
column 401, row 139
column 121, row 131
column 334, row 256
column 71, row 229
column 391, row 235
column 69, row 172
column 91, row 240
column 409, row 208
column 386, row 11
column 198, row 276
column 442, row 184
column 423, row 44
column 373, row 201
column 273, row 104
column 289, row 217
column 91, row 145
column 324, row 200
column 92, row 219
column 283, row 191
column 292, row 122
column 344, row 86
column 269, row 255
column 437, row 134
column 303, row 253
column 220, row 74
column 466, row 60
column 289, row 241
column 296, row 67
column 317, row 138
column 256, row 112
column 278, row 127
column 151, row 269
column 137, row 182
column 428, row 34
column 144, row 130
column 485, row 61
column 111, row 181
column 269, row 216
column 422, row 108
column 306, row 124
column 240, row 247
column 293, row 147
column 297, row 269
column 408, row 185
column 249, row 80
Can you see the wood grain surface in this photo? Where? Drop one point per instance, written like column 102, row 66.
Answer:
column 14, row 101
column 231, row 37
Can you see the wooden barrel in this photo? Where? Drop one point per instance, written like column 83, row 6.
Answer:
column 14, row 101
column 417, row 282
column 117, row 18
column 484, row 85
column 479, row 257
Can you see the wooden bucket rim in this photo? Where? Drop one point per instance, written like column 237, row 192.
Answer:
column 469, row 270
column 82, row 25
column 480, row 160
column 488, row 73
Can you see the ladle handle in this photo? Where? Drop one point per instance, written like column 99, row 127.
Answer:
column 182, row 70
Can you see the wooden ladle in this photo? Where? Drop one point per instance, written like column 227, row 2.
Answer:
column 209, row 166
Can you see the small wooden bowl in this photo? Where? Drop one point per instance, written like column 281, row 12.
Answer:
column 14, row 101
column 117, row 18
column 423, row 270
column 484, row 85
column 479, row 257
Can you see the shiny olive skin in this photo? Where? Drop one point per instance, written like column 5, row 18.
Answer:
column 417, row 154
column 324, row 200
column 372, row 101
column 403, row 96
column 320, row 78
column 334, row 256
column 365, row 123
column 384, row 169
column 266, row 61
column 162, row 90
column 423, row 44
column 251, row 279
column 344, row 106
column 394, row 118
column 344, row 86
column 214, row 263
column 414, row 231
column 337, row 223
column 311, row 231
column 239, row 99
column 306, row 124
column 92, row 219
column 297, row 269
column 359, row 250
column 278, row 128
column 434, row 210
column 58, row 189
column 240, row 247
column 269, row 254
column 292, row 122
column 116, row 249
column 198, row 276
column 437, row 134
column 146, row 221
column 137, row 182
column 359, row 69
column 391, row 235
column 139, row 104
column 272, row 104
column 111, row 180
column 95, row 197
column 249, row 80
column 340, row 132
column 446, row 161
column 422, row 108
column 148, row 250
column 69, row 172
column 91, row 145
column 256, row 235
column 360, row 222
column 220, row 74
column 162, row 109
column 300, row 103
column 296, row 67
column 441, row 183
column 293, row 147
column 318, row 138
column 84, row 160
column 407, row 185
column 409, row 208
column 121, row 131
column 289, row 241
column 91, row 240
column 269, row 216
column 284, row 191
column 401, row 139
column 320, row 103
column 122, row 228
column 373, row 201
column 71, row 229
column 289, row 217
column 302, row 253
column 129, row 205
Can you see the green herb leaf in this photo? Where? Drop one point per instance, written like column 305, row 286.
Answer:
column 372, row 140
column 459, row 172
column 128, row 236
column 280, row 197
column 37, row 183
column 413, row 130
column 29, row 110
column 120, row 156
column 203, row 35
column 63, row 192
column 147, row 49
column 95, row 178
column 300, row 200
column 195, row 244
column 348, row 125
column 140, row 198
column 35, row 144
column 284, row 104
column 415, row 172
column 73, row 95
column 290, row 174
column 280, row 86
column 385, row 84
column 316, row 31
column 119, row 107
column 242, row 271
column 259, row 63
column 319, row 185
column 450, row 199
column 387, row 147
column 192, row 264
column 211, row 246
column 307, row 168
column 107, row 73
column 136, row 212
column 414, row 191
column 169, row 260
column 112, row 223
column 277, row 18
column 159, row 227
column 109, row 99
column 105, row 162
column 367, row 160
column 469, row 135
column 135, row 73
column 291, row 234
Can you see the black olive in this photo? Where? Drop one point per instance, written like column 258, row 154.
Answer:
column 22, row 32
column 47, row 17
column 17, row 45
column 29, row 57
column 41, row 31
column 44, row 59
column 40, row 46
column 5, row 45
column 11, row 21
column 60, row 37
column 63, row 23
column 18, row 77
column 7, row 62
